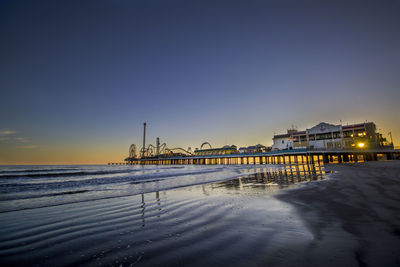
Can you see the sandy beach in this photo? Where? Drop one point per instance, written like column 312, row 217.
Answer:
column 354, row 216
column 337, row 215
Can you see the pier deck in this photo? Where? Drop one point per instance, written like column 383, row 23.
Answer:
column 273, row 157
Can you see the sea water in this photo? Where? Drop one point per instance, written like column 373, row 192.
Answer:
column 23, row 187
column 150, row 215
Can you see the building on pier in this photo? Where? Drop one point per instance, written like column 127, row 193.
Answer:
column 325, row 136
column 282, row 142
column 225, row 150
column 253, row 149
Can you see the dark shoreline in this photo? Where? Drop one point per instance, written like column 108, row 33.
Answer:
column 354, row 215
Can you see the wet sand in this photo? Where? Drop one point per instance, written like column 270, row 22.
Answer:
column 263, row 219
column 354, row 216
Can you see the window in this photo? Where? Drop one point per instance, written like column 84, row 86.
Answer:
column 336, row 135
column 347, row 134
column 283, row 141
column 348, row 143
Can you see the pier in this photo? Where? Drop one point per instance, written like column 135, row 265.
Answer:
column 295, row 156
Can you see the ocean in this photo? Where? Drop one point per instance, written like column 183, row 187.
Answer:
column 25, row 187
column 147, row 215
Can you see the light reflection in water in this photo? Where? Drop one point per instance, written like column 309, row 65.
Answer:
column 277, row 177
column 268, row 178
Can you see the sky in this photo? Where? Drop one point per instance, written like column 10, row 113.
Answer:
column 79, row 78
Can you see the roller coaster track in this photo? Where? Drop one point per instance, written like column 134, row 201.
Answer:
column 180, row 149
column 205, row 143
column 149, row 151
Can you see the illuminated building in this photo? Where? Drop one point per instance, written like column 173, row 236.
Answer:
column 225, row 150
column 327, row 136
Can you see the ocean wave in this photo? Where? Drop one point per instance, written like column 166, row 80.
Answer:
column 20, row 187
column 36, row 170
column 69, row 173
column 62, row 174
column 29, row 196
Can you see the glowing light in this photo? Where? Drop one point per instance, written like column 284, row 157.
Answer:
column 360, row 145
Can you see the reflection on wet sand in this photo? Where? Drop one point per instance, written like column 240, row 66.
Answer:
column 278, row 177
column 267, row 178
column 143, row 206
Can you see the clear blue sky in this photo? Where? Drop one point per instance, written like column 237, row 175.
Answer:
column 79, row 78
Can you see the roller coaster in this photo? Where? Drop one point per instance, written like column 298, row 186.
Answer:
column 205, row 143
column 157, row 151
column 152, row 151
